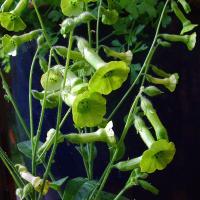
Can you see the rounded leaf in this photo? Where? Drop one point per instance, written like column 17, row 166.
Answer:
column 88, row 109
column 158, row 156
column 109, row 77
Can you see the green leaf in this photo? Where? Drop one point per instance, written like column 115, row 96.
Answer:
column 57, row 184
column 80, row 189
column 26, row 148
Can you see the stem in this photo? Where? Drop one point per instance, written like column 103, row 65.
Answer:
column 30, row 103
column 44, row 31
column 107, row 36
column 147, row 60
column 38, row 133
column 88, row 27
column 58, row 117
column 7, row 90
column 120, row 193
column 64, row 118
column 97, row 26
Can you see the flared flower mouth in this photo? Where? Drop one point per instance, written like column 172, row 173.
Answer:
column 88, row 109
column 71, row 7
column 192, row 41
column 159, row 155
column 52, row 79
column 109, row 77
column 188, row 27
column 12, row 22
column 9, row 45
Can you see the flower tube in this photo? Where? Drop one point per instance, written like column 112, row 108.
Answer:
column 108, row 76
column 188, row 40
column 150, row 112
column 170, row 83
column 124, row 56
column 185, row 6
column 101, row 135
column 12, row 20
column 186, row 23
column 6, row 5
column 35, row 181
column 11, row 43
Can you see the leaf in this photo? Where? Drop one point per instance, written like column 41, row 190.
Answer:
column 80, row 189
column 54, row 16
column 57, row 184
column 26, row 148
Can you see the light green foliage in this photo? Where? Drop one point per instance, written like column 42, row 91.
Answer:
column 79, row 80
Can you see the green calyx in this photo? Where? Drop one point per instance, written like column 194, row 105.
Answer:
column 129, row 164
column 170, row 83
column 72, row 7
column 151, row 114
column 109, row 17
column 188, row 40
column 123, row 56
column 52, row 79
column 158, row 156
column 143, row 130
column 187, row 25
column 108, row 76
column 101, row 135
column 88, row 109
column 70, row 23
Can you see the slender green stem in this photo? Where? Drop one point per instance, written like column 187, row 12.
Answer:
column 88, row 28
column 127, row 125
column 107, row 37
column 38, row 133
column 58, row 116
column 65, row 117
column 120, row 193
column 97, row 26
column 145, row 64
column 30, row 102
column 7, row 90
column 44, row 31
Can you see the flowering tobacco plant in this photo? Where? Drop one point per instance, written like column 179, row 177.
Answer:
column 83, row 84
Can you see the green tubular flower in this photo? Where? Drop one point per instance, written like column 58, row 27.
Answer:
column 108, row 76
column 109, row 17
column 124, row 56
column 55, row 79
column 70, row 23
column 11, row 43
column 185, row 6
column 72, row 7
column 188, row 40
column 129, row 164
column 150, row 112
column 160, row 72
column 158, row 156
column 12, row 20
column 35, row 181
column 144, row 132
column 170, row 83
column 88, row 109
column 6, row 5
column 101, row 135
column 187, row 25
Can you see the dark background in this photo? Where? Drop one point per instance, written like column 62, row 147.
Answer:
column 178, row 111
